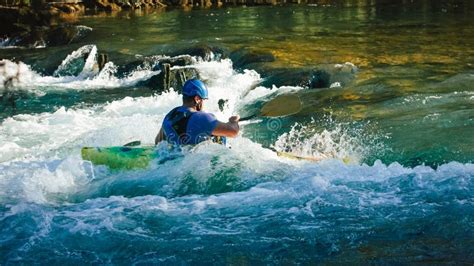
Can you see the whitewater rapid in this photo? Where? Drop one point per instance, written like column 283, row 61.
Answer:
column 244, row 198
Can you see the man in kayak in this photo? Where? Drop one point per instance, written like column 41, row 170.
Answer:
column 188, row 124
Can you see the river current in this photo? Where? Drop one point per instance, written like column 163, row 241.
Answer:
column 395, row 126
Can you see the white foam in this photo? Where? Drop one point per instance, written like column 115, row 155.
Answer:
column 19, row 73
column 42, row 182
column 224, row 83
column 11, row 149
column 74, row 73
column 61, row 180
column 68, row 129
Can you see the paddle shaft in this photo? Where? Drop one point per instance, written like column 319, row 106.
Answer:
column 247, row 118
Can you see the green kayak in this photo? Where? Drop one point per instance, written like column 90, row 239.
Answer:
column 125, row 157
column 120, row 157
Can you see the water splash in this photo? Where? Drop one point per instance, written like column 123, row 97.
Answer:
column 79, row 61
column 79, row 71
column 325, row 138
column 8, row 43
column 18, row 72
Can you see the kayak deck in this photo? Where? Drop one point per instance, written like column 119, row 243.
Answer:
column 120, row 157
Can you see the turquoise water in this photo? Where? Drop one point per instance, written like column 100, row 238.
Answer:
column 395, row 130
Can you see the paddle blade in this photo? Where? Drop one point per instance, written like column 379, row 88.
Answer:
column 282, row 105
column 133, row 143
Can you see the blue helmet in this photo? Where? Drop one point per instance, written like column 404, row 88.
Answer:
column 195, row 87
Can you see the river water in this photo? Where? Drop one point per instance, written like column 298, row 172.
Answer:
column 396, row 125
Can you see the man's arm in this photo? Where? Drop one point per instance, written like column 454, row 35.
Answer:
column 229, row 129
column 160, row 136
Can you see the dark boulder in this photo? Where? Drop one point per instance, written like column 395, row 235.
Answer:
column 323, row 76
column 319, row 79
column 171, row 78
column 34, row 37
column 65, row 34
column 206, row 52
column 154, row 63
column 312, row 79
column 182, row 60
column 34, row 32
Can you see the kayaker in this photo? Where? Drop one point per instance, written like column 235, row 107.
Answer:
column 189, row 124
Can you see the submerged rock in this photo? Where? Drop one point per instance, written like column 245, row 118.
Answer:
column 325, row 76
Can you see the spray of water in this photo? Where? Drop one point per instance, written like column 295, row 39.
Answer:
column 326, row 138
column 8, row 42
column 74, row 63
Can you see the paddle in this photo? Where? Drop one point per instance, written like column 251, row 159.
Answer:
column 282, row 105
column 133, row 143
